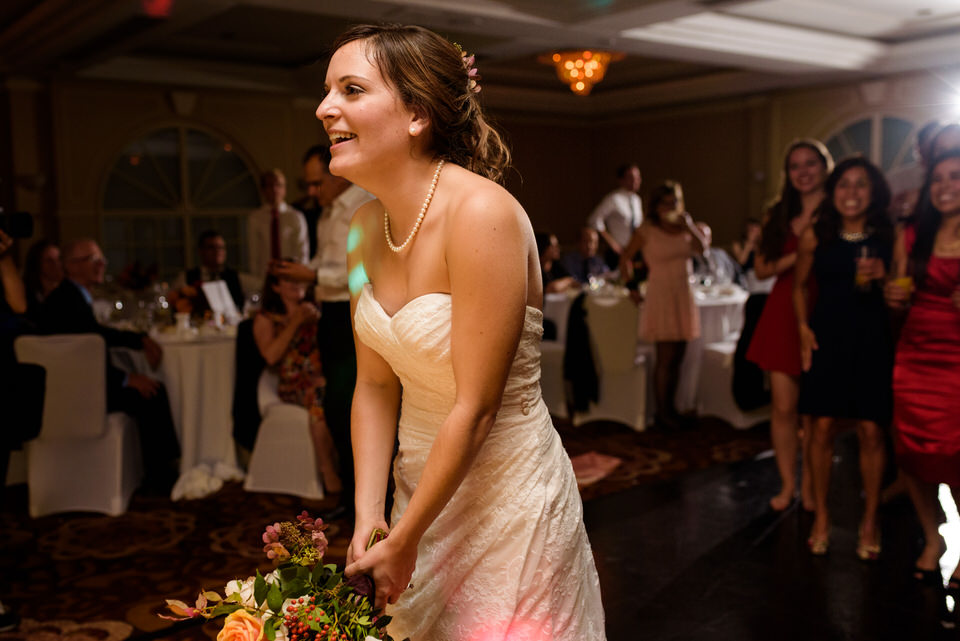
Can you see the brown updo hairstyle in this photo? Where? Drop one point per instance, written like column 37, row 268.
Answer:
column 429, row 74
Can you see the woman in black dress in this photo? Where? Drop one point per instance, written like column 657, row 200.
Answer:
column 846, row 345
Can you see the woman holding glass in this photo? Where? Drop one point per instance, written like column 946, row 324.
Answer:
column 668, row 239
column 926, row 409
column 845, row 342
column 285, row 331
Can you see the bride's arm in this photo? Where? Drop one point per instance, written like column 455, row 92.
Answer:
column 373, row 423
column 487, row 249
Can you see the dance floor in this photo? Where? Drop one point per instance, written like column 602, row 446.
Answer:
column 686, row 550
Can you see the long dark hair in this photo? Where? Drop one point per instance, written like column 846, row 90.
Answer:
column 789, row 204
column 926, row 220
column 431, row 78
column 664, row 190
column 827, row 226
column 33, row 265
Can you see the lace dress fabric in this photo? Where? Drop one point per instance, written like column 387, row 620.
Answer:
column 508, row 557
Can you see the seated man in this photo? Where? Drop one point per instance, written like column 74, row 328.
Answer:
column 69, row 310
column 584, row 261
column 212, row 249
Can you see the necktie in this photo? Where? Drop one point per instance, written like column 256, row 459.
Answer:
column 274, row 234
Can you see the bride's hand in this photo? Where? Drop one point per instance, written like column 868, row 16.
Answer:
column 391, row 566
column 361, row 536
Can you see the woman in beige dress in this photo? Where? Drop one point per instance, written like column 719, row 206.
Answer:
column 668, row 239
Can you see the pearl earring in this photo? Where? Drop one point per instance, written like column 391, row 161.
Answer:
column 413, row 130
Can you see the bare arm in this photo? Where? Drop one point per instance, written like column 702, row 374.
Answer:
column 699, row 241
column 373, row 421
column 741, row 252
column 804, row 263
column 766, row 268
column 272, row 344
column 488, row 284
column 13, row 290
column 626, row 258
column 896, row 293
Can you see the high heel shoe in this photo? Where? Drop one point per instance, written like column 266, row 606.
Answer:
column 819, row 547
column 868, row 551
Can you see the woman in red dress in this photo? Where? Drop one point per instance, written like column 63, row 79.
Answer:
column 775, row 346
column 926, row 413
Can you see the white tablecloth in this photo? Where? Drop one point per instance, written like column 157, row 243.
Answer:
column 198, row 374
column 721, row 319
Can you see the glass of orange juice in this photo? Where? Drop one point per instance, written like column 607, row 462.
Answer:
column 904, row 282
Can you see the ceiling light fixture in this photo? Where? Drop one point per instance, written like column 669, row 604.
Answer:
column 581, row 69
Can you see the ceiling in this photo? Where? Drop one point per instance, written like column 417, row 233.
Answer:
column 677, row 51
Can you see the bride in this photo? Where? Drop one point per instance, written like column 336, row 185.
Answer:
column 487, row 537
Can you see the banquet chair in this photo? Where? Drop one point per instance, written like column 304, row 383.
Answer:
column 84, row 458
column 612, row 323
column 715, row 396
column 283, row 458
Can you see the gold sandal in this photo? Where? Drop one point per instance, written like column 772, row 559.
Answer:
column 868, row 551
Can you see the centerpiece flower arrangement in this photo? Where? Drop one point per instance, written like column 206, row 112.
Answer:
column 185, row 300
column 301, row 600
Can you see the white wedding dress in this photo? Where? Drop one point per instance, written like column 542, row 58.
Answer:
column 508, row 557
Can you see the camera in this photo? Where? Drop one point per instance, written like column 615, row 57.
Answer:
column 16, row 224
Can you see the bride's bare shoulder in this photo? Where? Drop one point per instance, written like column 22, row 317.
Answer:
column 477, row 200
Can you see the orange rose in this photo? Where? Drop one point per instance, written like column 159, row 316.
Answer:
column 241, row 626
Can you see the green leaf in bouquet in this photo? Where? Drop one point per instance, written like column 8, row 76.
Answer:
column 323, row 618
column 210, row 595
column 224, row 609
column 270, row 629
column 332, row 581
column 364, row 620
column 274, row 599
column 295, row 588
column 260, row 589
column 288, row 572
column 317, row 575
column 382, row 621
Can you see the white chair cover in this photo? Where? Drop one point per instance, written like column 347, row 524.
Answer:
column 84, row 459
column 283, row 458
column 716, row 387
column 612, row 323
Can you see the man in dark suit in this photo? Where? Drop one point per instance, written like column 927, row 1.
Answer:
column 69, row 310
column 213, row 266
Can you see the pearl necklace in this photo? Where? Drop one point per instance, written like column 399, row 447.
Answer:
column 423, row 212
column 854, row 236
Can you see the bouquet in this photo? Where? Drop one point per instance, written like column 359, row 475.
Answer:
column 302, row 600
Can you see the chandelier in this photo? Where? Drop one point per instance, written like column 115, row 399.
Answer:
column 581, row 69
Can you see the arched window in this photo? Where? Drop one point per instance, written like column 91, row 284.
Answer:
column 887, row 141
column 165, row 189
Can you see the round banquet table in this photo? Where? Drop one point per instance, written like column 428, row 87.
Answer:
column 199, row 375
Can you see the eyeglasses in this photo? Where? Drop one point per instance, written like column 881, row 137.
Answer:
column 96, row 259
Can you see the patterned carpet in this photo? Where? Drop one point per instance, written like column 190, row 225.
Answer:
column 84, row 576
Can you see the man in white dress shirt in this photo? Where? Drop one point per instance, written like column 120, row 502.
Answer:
column 619, row 213
column 328, row 271
column 276, row 230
